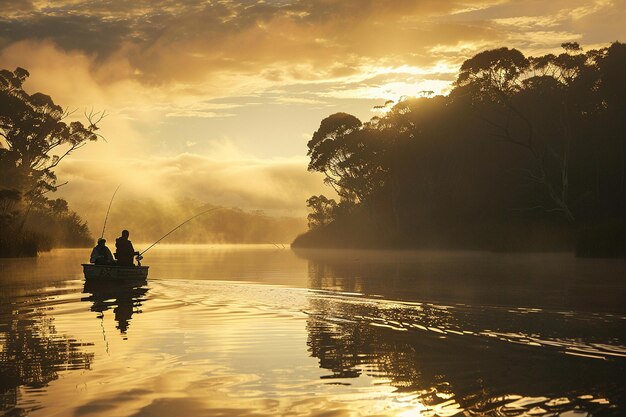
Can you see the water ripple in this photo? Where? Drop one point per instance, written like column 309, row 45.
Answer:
column 241, row 348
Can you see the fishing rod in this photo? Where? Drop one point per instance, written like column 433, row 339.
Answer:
column 174, row 229
column 109, row 209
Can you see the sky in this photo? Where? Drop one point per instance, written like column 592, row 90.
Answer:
column 216, row 100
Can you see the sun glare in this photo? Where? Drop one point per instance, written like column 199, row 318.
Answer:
column 413, row 412
column 396, row 90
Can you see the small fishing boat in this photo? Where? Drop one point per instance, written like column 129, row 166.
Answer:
column 110, row 272
column 130, row 273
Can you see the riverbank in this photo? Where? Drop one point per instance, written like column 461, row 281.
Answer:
column 22, row 245
column 602, row 240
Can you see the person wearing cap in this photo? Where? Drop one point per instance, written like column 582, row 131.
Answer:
column 101, row 255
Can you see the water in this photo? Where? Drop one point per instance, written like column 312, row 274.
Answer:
column 265, row 331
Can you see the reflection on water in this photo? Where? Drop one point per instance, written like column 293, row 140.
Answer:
column 257, row 331
column 124, row 298
column 553, row 280
column 32, row 351
column 470, row 369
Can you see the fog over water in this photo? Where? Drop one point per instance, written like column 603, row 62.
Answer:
column 149, row 219
column 261, row 330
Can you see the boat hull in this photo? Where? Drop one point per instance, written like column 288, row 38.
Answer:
column 112, row 272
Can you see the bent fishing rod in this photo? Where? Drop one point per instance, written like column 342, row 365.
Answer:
column 174, row 229
column 109, row 209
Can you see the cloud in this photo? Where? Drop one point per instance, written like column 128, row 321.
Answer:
column 200, row 109
column 221, row 77
column 14, row 8
column 218, row 48
column 538, row 27
column 187, row 40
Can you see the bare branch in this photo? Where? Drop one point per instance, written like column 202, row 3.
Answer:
column 69, row 151
column 67, row 113
column 95, row 118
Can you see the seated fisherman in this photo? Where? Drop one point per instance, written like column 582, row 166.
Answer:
column 124, row 251
column 101, row 255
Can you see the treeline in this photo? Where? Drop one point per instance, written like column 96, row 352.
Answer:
column 525, row 153
column 27, row 228
column 34, row 139
column 148, row 219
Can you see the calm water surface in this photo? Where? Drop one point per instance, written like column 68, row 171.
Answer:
column 266, row 331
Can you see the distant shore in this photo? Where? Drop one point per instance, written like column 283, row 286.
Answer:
column 606, row 240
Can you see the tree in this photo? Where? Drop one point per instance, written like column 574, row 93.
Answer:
column 323, row 211
column 612, row 64
column 330, row 152
column 32, row 129
column 537, row 104
column 34, row 139
column 349, row 157
column 495, row 73
column 431, row 164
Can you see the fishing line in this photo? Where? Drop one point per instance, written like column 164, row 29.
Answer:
column 109, row 209
column 171, row 231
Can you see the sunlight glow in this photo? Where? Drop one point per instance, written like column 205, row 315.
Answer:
column 394, row 90
column 393, row 83
column 414, row 412
column 440, row 67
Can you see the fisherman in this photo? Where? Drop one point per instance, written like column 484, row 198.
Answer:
column 124, row 251
column 101, row 255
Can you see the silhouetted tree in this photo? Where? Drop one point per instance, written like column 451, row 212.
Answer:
column 322, row 211
column 34, row 139
column 612, row 87
column 32, row 127
column 524, row 152
column 528, row 103
column 346, row 154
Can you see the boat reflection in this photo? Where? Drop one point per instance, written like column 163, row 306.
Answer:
column 125, row 298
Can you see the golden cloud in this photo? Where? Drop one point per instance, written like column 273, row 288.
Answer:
column 188, row 74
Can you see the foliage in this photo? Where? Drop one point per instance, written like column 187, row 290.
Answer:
column 32, row 127
column 46, row 226
column 493, row 73
column 522, row 147
column 34, row 139
column 347, row 154
column 322, row 211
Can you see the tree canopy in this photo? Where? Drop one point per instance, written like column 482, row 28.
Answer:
column 34, row 139
column 522, row 149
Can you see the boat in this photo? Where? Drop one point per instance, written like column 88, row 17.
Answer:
column 111, row 272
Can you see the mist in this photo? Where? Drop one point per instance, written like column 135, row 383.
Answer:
column 148, row 219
